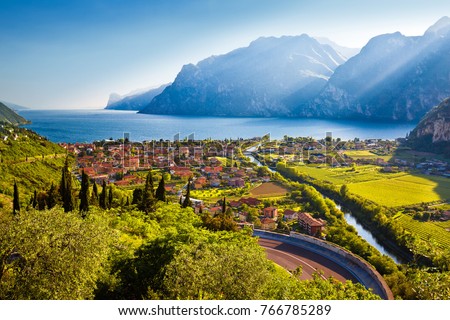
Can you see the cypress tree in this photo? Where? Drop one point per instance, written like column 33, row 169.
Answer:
column 65, row 188
column 110, row 197
column 137, row 196
column 16, row 202
column 51, row 199
column 84, row 193
column 224, row 205
column 161, row 190
column 34, row 201
column 102, row 200
column 148, row 197
column 94, row 196
column 187, row 198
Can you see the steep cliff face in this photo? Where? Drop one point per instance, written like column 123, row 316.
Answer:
column 436, row 124
column 433, row 131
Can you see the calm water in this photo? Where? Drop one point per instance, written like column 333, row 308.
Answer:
column 90, row 125
column 367, row 235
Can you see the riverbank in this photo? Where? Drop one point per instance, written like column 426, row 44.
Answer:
column 383, row 245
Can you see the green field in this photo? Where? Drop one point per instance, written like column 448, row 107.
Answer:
column 401, row 191
column 366, row 154
column 347, row 175
column 388, row 189
column 435, row 231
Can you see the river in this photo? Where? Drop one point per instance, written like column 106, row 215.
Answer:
column 351, row 220
column 368, row 236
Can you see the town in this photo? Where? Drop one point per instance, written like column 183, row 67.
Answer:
column 240, row 172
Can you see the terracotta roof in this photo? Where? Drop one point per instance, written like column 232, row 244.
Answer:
column 309, row 220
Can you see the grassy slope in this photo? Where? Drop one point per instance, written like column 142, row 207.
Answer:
column 30, row 160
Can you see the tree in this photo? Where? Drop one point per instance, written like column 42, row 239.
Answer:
column 84, row 193
column 224, row 205
column 148, row 197
column 48, row 255
column 161, row 190
column 41, row 200
column 102, row 201
column 34, row 201
column 16, row 201
column 51, row 197
column 94, row 196
column 344, row 190
column 65, row 188
column 187, row 198
column 137, row 196
column 110, row 197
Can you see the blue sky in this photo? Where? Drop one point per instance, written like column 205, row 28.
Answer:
column 74, row 53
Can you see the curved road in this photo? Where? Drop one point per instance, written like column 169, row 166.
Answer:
column 290, row 257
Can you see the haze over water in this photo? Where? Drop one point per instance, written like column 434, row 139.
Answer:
column 91, row 125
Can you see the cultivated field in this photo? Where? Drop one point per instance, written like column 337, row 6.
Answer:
column 366, row 154
column 429, row 231
column 388, row 189
column 268, row 189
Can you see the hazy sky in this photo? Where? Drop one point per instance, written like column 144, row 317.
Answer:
column 74, row 53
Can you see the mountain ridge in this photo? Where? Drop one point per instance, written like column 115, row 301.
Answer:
column 135, row 100
column 7, row 115
column 255, row 80
column 393, row 78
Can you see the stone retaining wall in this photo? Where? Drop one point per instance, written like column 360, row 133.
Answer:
column 358, row 267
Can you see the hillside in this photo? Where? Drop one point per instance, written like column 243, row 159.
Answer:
column 9, row 116
column 267, row 78
column 433, row 131
column 30, row 160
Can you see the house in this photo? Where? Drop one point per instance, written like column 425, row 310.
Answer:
column 235, row 204
column 236, row 182
column 215, row 210
column 250, row 201
column 270, row 212
column 243, row 216
column 268, row 224
column 290, row 215
column 214, row 183
column 311, row 225
column 445, row 216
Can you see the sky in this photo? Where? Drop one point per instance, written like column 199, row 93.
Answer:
column 71, row 54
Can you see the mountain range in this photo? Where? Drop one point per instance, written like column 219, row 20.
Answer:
column 135, row 100
column 394, row 78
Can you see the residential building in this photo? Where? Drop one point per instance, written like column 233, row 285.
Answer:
column 311, row 225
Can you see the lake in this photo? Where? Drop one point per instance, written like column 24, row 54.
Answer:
column 90, row 125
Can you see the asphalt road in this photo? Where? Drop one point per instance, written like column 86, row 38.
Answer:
column 290, row 257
